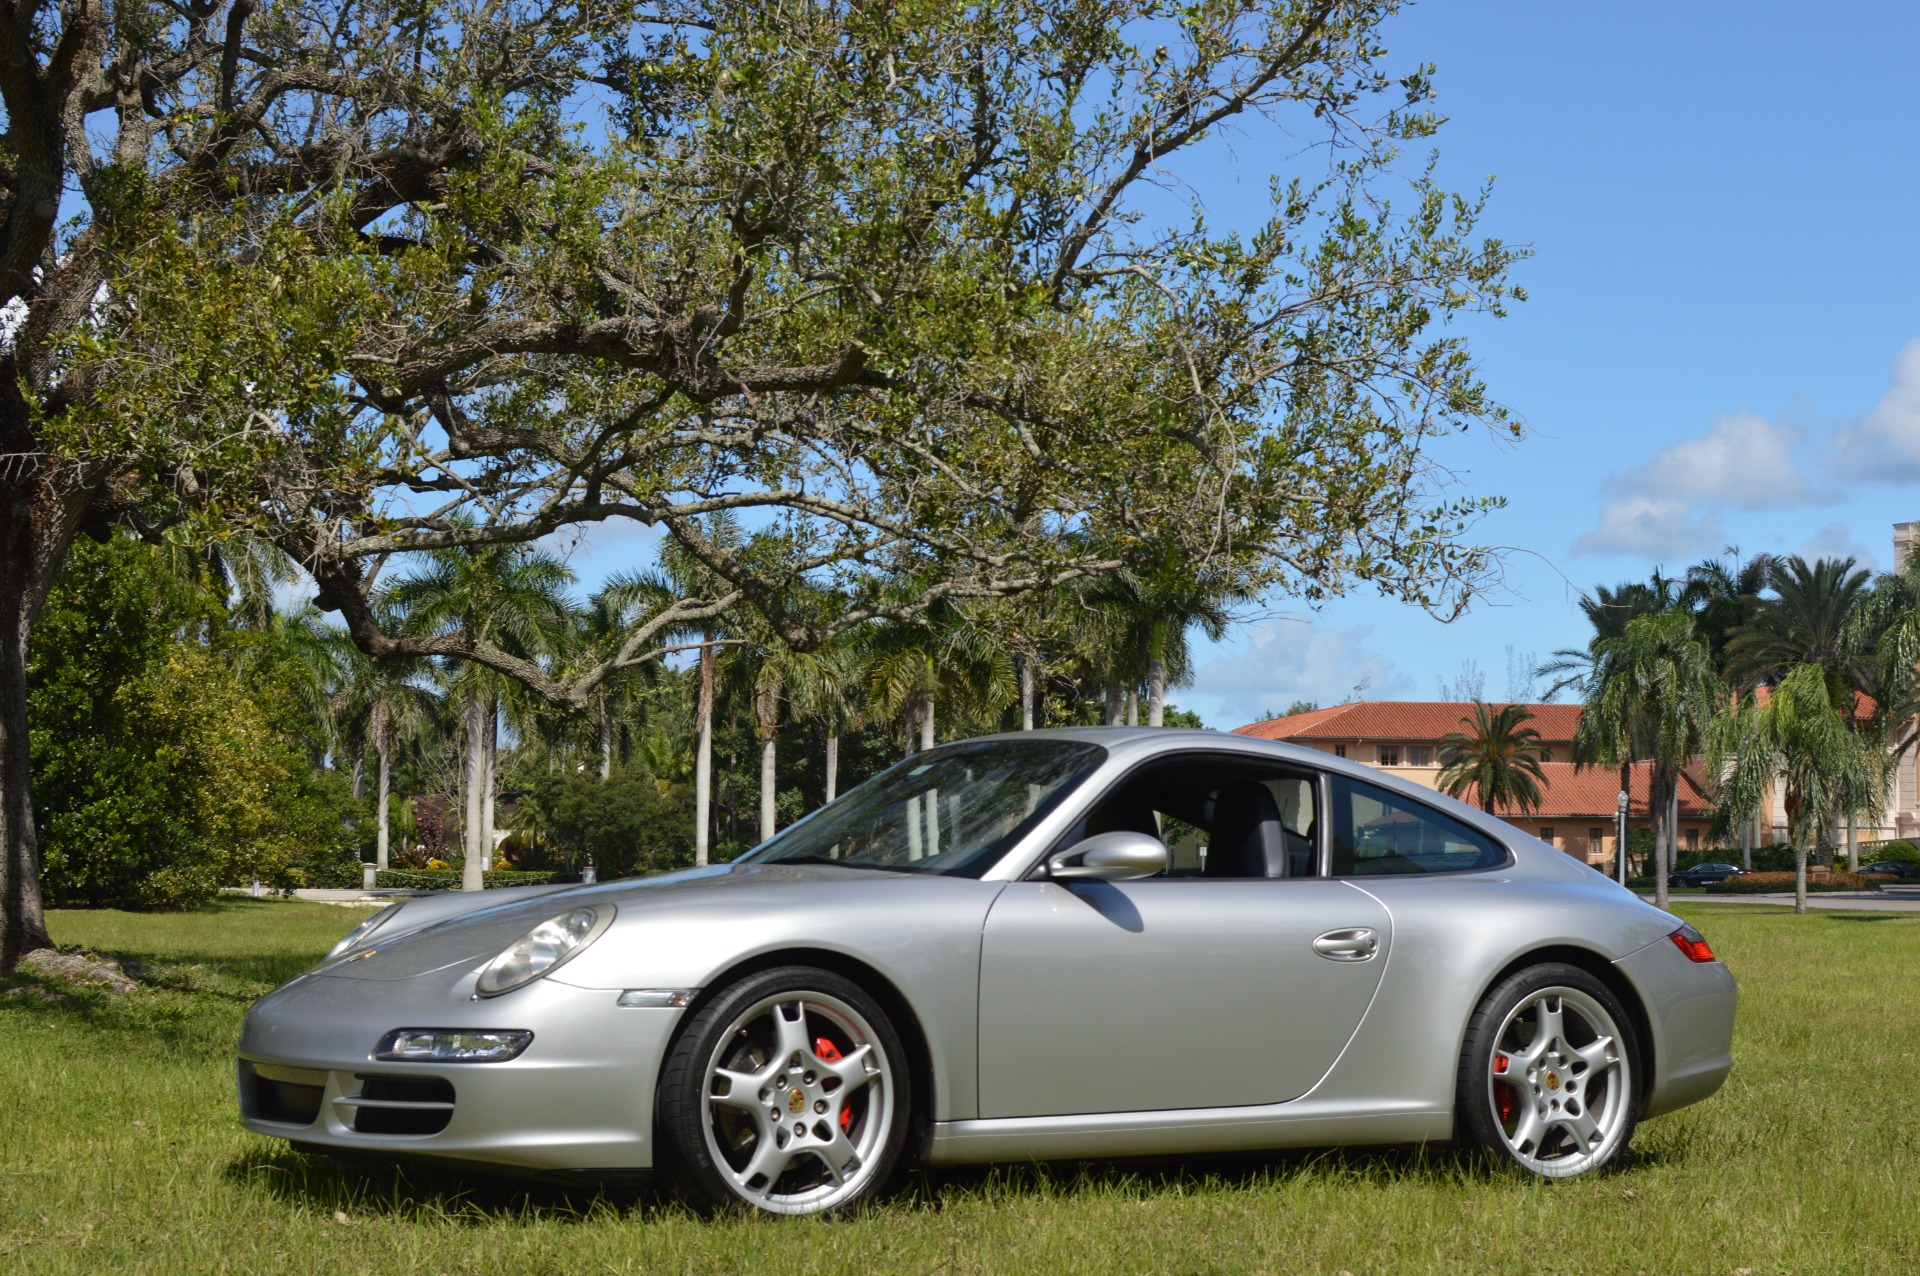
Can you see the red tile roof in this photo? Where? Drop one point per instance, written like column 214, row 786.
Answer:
column 1593, row 793
column 1403, row 720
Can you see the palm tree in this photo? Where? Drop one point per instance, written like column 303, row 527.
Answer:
column 1608, row 613
column 1651, row 696
column 1798, row 735
column 1497, row 756
column 1810, row 620
column 684, row 576
column 393, row 704
column 512, row 596
column 1154, row 619
column 1724, row 594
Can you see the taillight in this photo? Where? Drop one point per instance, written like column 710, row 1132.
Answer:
column 1692, row 943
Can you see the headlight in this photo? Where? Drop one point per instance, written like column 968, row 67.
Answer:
column 364, row 929
column 543, row 950
column 452, row 1045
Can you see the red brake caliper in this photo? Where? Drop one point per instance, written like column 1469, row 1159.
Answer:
column 826, row 1052
column 1502, row 1094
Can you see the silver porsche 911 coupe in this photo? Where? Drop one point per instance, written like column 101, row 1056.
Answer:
column 1060, row 944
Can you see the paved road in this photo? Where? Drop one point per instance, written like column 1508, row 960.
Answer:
column 1865, row 901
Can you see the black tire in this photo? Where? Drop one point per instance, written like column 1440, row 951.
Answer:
column 1497, row 1082
column 733, row 1028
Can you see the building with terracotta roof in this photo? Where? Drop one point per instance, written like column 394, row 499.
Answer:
column 1402, row 737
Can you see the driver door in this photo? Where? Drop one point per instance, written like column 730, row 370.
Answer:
column 1169, row 992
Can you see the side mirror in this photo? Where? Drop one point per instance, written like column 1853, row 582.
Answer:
column 1109, row 857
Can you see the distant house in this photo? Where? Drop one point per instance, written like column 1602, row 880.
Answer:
column 1402, row 737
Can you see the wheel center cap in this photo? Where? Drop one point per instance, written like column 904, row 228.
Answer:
column 796, row 1102
column 1553, row 1080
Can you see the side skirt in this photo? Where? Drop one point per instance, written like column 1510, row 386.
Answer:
column 1302, row 1123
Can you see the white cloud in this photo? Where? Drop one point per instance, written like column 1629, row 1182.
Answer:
column 1885, row 446
column 1658, row 527
column 1743, row 460
column 1835, row 540
column 1283, row 661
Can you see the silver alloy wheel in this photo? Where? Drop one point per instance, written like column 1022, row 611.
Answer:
column 799, row 1098
column 1559, row 1084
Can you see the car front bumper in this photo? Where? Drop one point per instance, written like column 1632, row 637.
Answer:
column 580, row 1097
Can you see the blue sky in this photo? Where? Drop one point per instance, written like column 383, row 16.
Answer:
column 1722, row 345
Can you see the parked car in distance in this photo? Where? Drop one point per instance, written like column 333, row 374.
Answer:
column 1705, row 874
column 1901, row 870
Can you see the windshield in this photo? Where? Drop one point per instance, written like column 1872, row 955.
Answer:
column 954, row 810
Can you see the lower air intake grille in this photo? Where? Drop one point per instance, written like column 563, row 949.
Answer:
column 402, row 1105
column 286, row 1101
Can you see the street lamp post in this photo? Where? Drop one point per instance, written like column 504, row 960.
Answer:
column 1620, row 842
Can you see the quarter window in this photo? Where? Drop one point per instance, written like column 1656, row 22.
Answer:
column 1376, row 833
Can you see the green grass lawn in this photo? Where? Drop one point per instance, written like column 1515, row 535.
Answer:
column 119, row 1150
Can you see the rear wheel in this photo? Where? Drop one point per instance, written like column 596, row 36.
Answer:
column 787, row 1092
column 1547, row 1077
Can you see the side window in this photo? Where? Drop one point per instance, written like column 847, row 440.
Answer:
column 1376, row 833
column 1217, row 817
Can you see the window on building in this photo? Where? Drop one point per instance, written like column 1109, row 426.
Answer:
column 1387, row 754
column 1546, row 834
column 1596, row 841
column 1546, row 755
column 1339, row 750
column 1693, row 839
column 1419, row 755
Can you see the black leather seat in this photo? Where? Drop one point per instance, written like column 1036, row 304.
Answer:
column 1246, row 839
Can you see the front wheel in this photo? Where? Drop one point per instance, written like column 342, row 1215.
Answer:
column 788, row 1093
column 1547, row 1076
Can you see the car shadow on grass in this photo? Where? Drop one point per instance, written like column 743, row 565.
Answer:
column 359, row 1185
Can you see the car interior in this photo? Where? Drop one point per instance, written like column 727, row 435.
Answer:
column 1217, row 820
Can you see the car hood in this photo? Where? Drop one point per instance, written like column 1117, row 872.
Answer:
column 473, row 936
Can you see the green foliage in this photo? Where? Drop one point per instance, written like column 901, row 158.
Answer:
column 1495, row 760
column 448, row 879
column 626, row 824
column 161, row 770
column 1899, row 849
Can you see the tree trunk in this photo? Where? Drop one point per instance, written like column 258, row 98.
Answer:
column 1114, row 706
column 1156, row 692
column 1662, row 828
column 471, row 875
column 37, row 525
column 833, row 763
column 769, row 808
column 1853, row 843
column 606, row 741
column 359, row 777
column 1799, row 873
column 1026, row 694
column 487, row 839
column 382, row 747
column 926, row 723
column 23, row 925
column 1746, row 842
column 703, row 761
column 1133, row 707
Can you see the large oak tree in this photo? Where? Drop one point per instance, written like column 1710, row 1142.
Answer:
column 914, row 288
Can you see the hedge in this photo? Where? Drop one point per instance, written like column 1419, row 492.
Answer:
column 1900, row 849
column 448, row 879
column 1770, row 883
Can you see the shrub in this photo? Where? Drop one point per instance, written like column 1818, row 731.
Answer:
column 1768, row 883
column 1896, row 850
column 449, row 879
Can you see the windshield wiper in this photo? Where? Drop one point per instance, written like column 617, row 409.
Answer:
column 822, row 859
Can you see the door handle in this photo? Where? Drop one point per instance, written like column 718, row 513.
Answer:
column 1356, row 943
